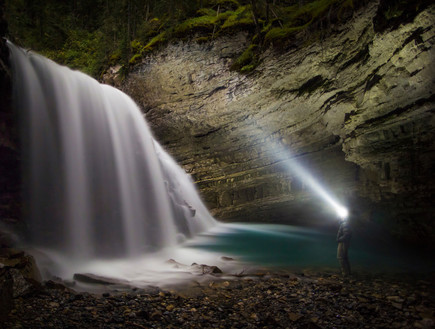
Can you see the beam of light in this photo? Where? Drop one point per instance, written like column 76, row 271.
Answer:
column 300, row 173
column 303, row 175
column 284, row 156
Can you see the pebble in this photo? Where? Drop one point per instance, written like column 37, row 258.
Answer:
column 311, row 300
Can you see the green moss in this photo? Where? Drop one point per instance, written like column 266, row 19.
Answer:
column 156, row 41
column 266, row 28
column 137, row 49
column 298, row 18
column 135, row 59
column 89, row 34
column 278, row 34
column 206, row 12
column 202, row 39
column 114, row 58
column 136, row 46
column 248, row 68
column 194, row 24
column 241, row 18
column 205, row 23
column 247, row 58
column 222, row 17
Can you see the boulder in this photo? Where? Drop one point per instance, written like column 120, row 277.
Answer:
column 205, row 269
column 21, row 274
column 22, row 262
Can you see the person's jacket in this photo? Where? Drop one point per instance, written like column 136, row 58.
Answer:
column 344, row 232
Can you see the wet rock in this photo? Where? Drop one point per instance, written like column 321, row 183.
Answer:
column 175, row 264
column 19, row 260
column 21, row 285
column 397, row 305
column 6, row 293
column 156, row 315
column 50, row 284
column 245, row 304
column 196, row 268
column 206, row 269
column 295, row 316
column 96, row 279
column 170, row 307
column 113, row 76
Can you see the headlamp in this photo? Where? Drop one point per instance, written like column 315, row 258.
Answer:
column 342, row 212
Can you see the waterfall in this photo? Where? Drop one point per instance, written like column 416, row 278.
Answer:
column 96, row 183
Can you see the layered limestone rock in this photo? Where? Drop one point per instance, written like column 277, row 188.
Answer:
column 355, row 109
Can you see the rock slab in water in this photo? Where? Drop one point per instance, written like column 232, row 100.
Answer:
column 196, row 268
column 205, row 269
column 97, row 279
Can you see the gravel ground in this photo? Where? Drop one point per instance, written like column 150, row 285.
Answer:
column 308, row 299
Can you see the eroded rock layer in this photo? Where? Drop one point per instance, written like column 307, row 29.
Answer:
column 356, row 108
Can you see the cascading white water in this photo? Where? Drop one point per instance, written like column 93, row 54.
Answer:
column 102, row 196
column 97, row 185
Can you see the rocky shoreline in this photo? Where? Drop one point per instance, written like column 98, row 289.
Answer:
column 265, row 299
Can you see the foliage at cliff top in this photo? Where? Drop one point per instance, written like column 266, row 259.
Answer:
column 92, row 35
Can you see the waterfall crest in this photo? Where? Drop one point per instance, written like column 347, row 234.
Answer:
column 96, row 183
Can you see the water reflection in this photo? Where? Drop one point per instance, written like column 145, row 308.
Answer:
column 297, row 247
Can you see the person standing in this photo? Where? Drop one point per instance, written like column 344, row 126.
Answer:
column 343, row 238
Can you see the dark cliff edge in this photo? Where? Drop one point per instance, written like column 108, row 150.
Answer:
column 9, row 172
column 10, row 176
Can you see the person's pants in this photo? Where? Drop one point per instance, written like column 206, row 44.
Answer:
column 343, row 259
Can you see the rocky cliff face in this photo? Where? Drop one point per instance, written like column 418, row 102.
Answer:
column 355, row 108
